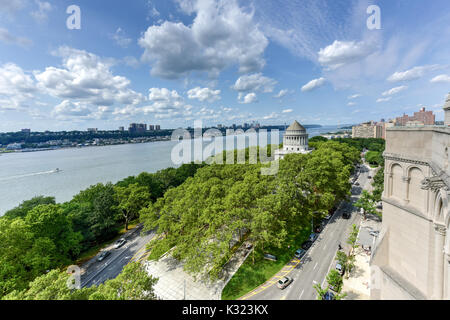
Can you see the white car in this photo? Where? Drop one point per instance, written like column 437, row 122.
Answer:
column 119, row 243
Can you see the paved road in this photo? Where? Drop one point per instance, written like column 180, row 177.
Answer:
column 319, row 259
column 110, row 268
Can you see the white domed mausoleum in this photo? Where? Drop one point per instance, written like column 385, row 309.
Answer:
column 295, row 140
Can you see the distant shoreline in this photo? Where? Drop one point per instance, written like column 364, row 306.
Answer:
column 143, row 140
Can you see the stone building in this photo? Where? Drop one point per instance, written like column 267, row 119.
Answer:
column 295, row 140
column 411, row 258
column 367, row 130
column 423, row 117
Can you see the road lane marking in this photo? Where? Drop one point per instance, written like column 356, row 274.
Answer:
column 301, row 294
column 316, row 266
column 268, row 283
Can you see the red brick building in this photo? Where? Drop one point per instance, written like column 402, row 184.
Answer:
column 425, row 117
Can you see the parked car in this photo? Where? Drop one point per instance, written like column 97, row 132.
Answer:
column 356, row 183
column 284, row 282
column 370, row 177
column 103, row 256
column 347, row 215
column 306, row 245
column 318, row 229
column 313, row 237
column 374, row 233
column 328, row 296
column 119, row 243
column 299, row 253
column 340, row 268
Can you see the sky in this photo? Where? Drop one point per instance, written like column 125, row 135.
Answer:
column 171, row 62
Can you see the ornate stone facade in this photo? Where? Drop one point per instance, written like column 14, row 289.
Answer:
column 411, row 258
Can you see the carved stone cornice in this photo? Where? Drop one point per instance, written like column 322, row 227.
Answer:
column 434, row 184
column 439, row 180
column 402, row 158
column 440, row 229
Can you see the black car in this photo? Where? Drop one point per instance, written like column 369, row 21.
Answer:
column 103, row 255
column 306, row 245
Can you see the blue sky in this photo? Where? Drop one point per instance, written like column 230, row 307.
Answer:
column 171, row 62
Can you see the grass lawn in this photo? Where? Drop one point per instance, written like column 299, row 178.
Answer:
column 250, row 276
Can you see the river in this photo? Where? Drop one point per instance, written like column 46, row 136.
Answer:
column 28, row 174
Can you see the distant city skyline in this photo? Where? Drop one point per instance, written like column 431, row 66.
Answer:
column 173, row 62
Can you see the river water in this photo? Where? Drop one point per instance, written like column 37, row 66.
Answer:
column 28, row 174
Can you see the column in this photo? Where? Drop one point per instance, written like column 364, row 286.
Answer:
column 406, row 180
column 447, row 285
column 439, row 242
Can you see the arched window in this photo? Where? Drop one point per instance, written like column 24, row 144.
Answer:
column 397, row 185
column 416, row 194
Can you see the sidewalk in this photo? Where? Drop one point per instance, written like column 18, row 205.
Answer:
column 176, row 284
column 357, row 286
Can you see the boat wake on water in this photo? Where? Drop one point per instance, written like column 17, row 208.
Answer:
column 30, row 174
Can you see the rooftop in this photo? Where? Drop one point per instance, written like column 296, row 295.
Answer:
column 296, row 127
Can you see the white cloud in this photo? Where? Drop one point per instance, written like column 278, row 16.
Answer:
column 254, row 82
column 393, row 91
column 281, row 94
column 383, row 99
column 41, row 15
column 131, row 61
column 273, row 115
column 288, row 111
column 87, row 78
column 248, row 98
column 16, row 87
column 313, row 84
column 208, row 114
column 120, row 38
column 8, row 38
column 69, row 110
column 11, row 6
column 442, row 78
column 354, row 96
column 351, row 104
column 166, row 104
column 221, row 35
column 344, row 52
column 412, row 74
column 204, row 94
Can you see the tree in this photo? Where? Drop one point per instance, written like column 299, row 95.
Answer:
column 334, row 279
column 94, row 212
column 50, row 225
column 26, row 206
column 131, row 200
column 366, row 203
column 342, row 258
column 50, row 286
column 133, row 283
column 320, row 291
